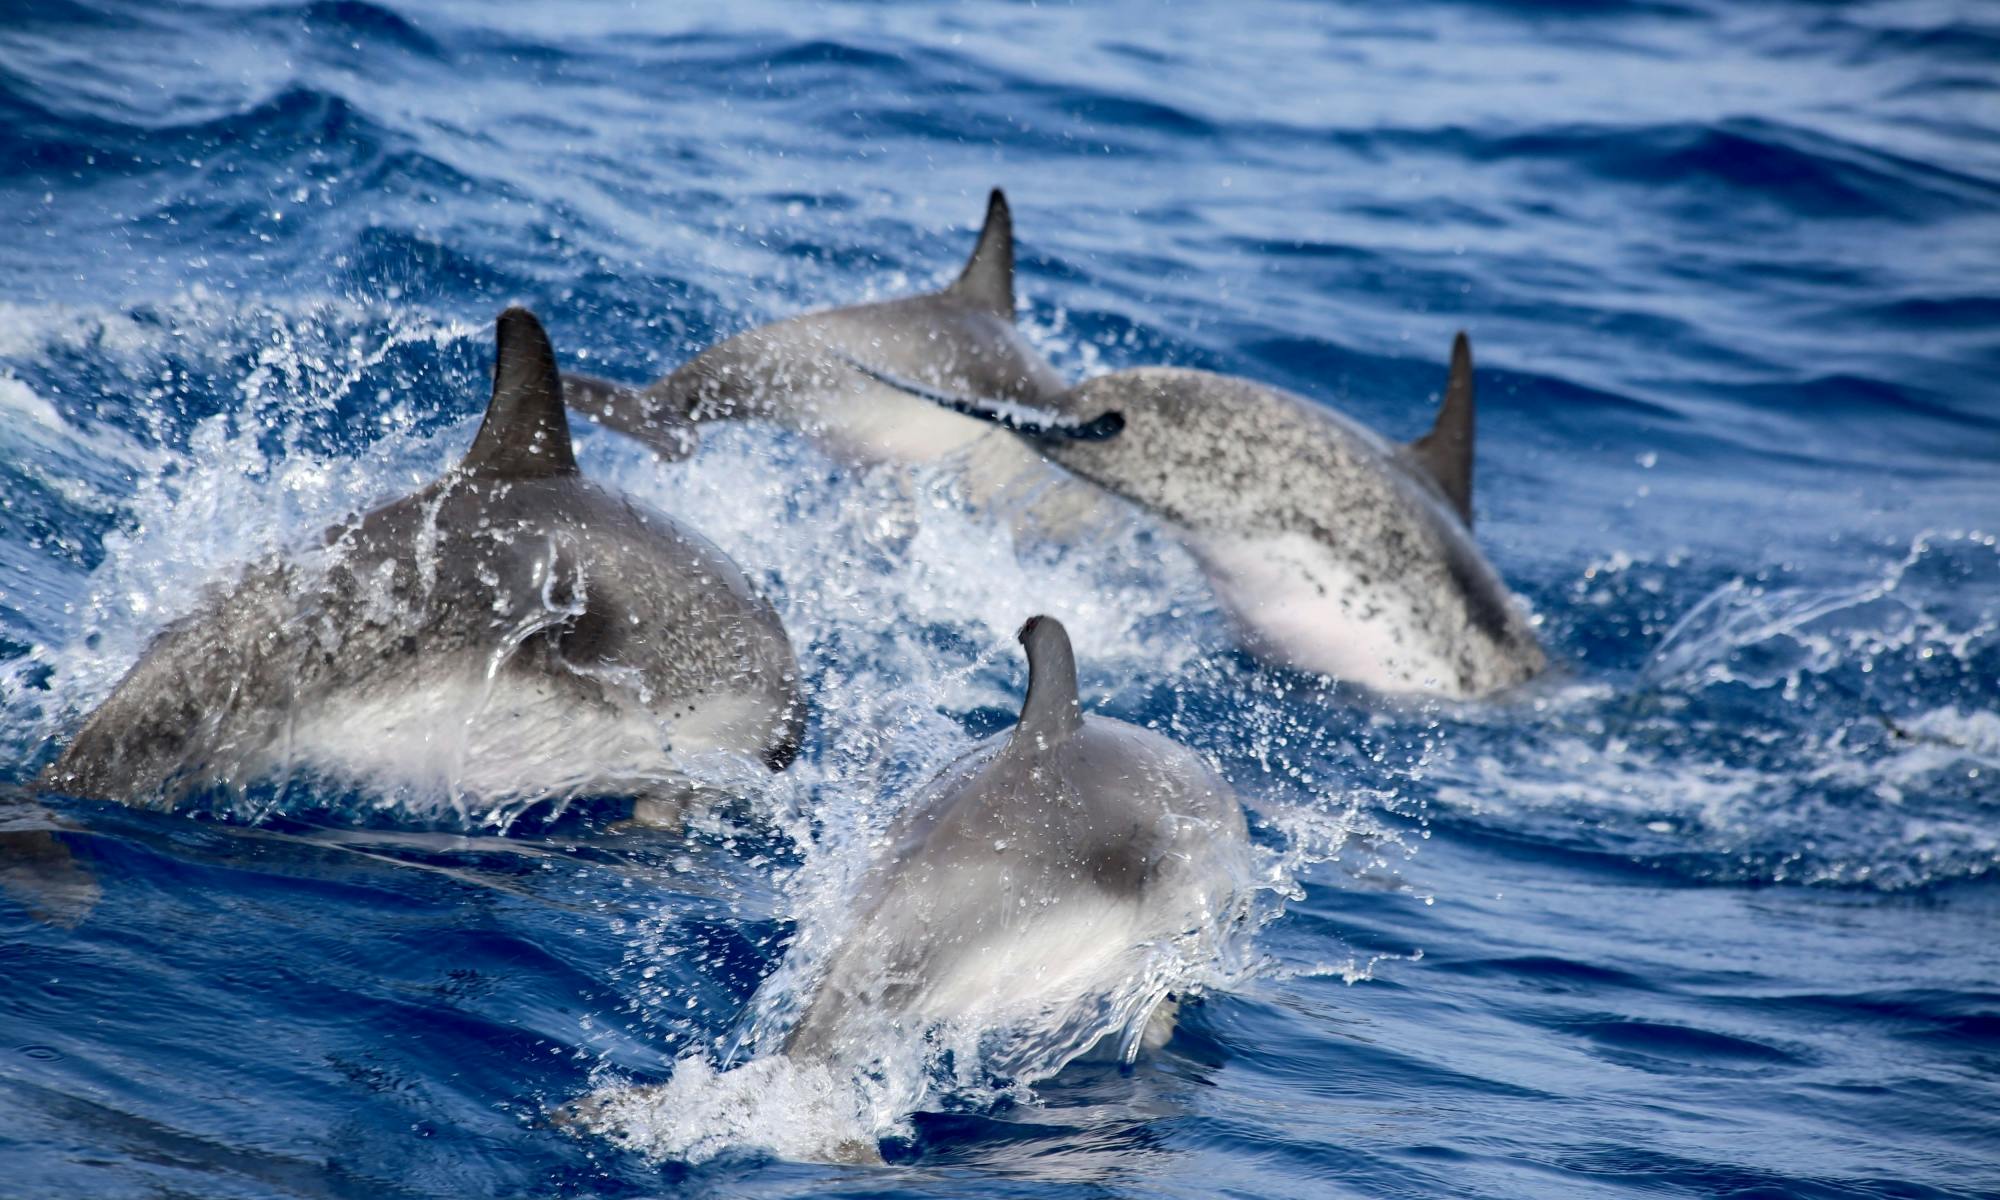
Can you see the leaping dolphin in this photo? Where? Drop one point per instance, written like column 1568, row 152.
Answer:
column 1334, row 550
column 510, row 630
column 805, row 372
column 1041, row 895
column 1033, row 878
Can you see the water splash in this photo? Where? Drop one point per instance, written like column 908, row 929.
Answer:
column 1781, row 732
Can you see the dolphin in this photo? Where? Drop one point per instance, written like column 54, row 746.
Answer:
column 1033, row 881
column 509, row 630
column 1334, row 550
column 807, row 373
column 1035, row 901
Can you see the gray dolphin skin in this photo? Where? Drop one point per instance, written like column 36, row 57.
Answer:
column 1032, row 881
column 803, row 372
column 1334, row 550
column 511, row 629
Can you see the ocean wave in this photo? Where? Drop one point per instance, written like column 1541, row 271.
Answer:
column 1778, row 735
column 1797, row 170
column 349, row 23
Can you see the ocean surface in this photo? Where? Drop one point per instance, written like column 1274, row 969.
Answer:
column 1714, row 910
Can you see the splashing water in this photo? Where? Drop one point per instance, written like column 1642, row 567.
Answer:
column 1707, row 911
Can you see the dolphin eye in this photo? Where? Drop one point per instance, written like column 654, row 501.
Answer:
column 590, row 636
column 1106, row 425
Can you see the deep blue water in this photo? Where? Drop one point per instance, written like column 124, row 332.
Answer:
column 1713, row 912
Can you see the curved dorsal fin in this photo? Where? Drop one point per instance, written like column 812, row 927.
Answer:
column 526, row 431
column 1445, row 453
column 1051, row 711
column 988, row 278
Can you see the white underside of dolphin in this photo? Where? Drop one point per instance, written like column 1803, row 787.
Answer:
column 481, row 743
column 1279, row 591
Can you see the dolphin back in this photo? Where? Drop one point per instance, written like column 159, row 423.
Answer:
column 510, row 611
column 827, row 373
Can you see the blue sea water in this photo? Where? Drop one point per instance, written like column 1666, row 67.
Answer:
column 1715, row 911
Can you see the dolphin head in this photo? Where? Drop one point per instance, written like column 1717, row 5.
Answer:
column 1181, row 441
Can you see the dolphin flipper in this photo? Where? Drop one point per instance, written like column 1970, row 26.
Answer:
column 636, row 412
column 988, row 278
column 526, row 432
column 1052, row 711
column 38, row 869
column 1445, row 453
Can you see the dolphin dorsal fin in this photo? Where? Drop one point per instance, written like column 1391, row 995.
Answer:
column 1051, row 711
column 1445, row 453
column 988, row 278
column 526, row 431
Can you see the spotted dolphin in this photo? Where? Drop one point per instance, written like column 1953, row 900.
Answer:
column 511, row 629
column 805, row 372
column 1036, row 900
column 1033, row 880
column 1333, row 549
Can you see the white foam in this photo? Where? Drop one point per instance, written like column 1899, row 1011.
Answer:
column 804, row 1112
column 190, row 519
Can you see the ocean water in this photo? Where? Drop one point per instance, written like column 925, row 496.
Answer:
column 1711, row 911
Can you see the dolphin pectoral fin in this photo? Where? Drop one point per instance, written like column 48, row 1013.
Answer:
column 1445, row 453
column 39, row 870
column 1052, row 711
column 667, row 813
column 1023, row 419
column 988, row 277
column 855, row 1152
column 526, row 431
column 635, row 412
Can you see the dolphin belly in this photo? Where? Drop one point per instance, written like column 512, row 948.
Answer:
column 488, row 741
column 869, row 421
column 1304, row 604
column 1035, row 955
